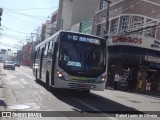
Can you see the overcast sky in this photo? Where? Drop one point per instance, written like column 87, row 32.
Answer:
column 22, row 17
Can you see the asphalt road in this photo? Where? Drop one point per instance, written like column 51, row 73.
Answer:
column 22, row 93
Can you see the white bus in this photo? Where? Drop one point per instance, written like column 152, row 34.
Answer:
column 72, row 60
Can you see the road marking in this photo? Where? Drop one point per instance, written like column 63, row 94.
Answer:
column 26, row 74
column 24, row 81
column 91, row 107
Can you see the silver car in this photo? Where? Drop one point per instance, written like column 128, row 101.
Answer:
column 9, row 65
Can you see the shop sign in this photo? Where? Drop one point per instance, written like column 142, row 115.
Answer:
column 156, row 44
column 133, row 40
column 152, row 59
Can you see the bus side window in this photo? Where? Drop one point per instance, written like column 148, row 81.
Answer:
column 49, row 52
column 46, row 49
column 35, row 55
column 38, row 53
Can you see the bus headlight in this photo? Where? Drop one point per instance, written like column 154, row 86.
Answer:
column 60, row 75
column 103, row 79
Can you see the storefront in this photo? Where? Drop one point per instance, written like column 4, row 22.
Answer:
column 131, row 55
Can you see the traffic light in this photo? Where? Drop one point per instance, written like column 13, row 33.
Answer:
column 1, row 11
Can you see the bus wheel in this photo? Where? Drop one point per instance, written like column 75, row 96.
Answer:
column 47, row 81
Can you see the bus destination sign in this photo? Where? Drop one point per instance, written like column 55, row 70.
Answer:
column 83, row 39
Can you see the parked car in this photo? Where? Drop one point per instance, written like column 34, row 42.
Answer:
column 17, row 64
column 9, row 65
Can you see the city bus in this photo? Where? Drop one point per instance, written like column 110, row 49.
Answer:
column 72, row 60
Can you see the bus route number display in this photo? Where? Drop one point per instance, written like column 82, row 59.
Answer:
column 84, row 39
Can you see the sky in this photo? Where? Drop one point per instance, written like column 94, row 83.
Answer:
column 20, row 18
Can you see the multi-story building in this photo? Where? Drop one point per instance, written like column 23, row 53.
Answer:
column 26, row 50
column 138, row 51
column 46, row 30
column 54, row 22
column 72, row 12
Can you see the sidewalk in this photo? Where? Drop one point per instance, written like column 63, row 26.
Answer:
column 2, row 99
column 151, row 93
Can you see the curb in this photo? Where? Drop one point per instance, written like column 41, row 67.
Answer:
column 2, row 99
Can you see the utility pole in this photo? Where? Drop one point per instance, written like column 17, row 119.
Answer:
column 1, row 11
column 107, row 19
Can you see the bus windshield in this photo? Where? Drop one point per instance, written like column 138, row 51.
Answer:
column 82, row 59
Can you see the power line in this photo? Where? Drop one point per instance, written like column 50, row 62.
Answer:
column 8, row 45
column 11, row 37
column 30, row 8
column 14, row 30
column 20, row 19
column 32, row 16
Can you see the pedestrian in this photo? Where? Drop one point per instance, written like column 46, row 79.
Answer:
column 116, row 79
column 148, row 85
column 129, row 82
column 139, row 85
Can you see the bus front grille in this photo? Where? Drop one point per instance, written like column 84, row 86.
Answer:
column 81, row 86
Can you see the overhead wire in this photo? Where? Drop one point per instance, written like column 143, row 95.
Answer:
column 8, row 45
column 11, row 37
column 30, row 8
column 13, row 30
column 13, row 17
column 32, row 16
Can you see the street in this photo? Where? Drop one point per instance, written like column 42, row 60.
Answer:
column 22, row 93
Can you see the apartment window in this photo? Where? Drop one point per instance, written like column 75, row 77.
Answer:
column 124, row 23
column 102, row 4
column 137, row 23
column 114, row 26
column 151, row 31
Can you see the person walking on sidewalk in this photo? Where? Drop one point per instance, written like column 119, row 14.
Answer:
column 139, row 83
column 116, row 79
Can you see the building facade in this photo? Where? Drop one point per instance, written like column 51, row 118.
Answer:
column 46, row 30
column 72, row 12
column 26, row 50
column 137, row 53
column 54, row 22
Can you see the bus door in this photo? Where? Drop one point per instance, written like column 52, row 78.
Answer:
column 55, row 48
column 41, row 62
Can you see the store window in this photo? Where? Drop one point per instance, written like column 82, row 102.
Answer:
column 124, row 23
column 102, row 4
column 114, row 26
